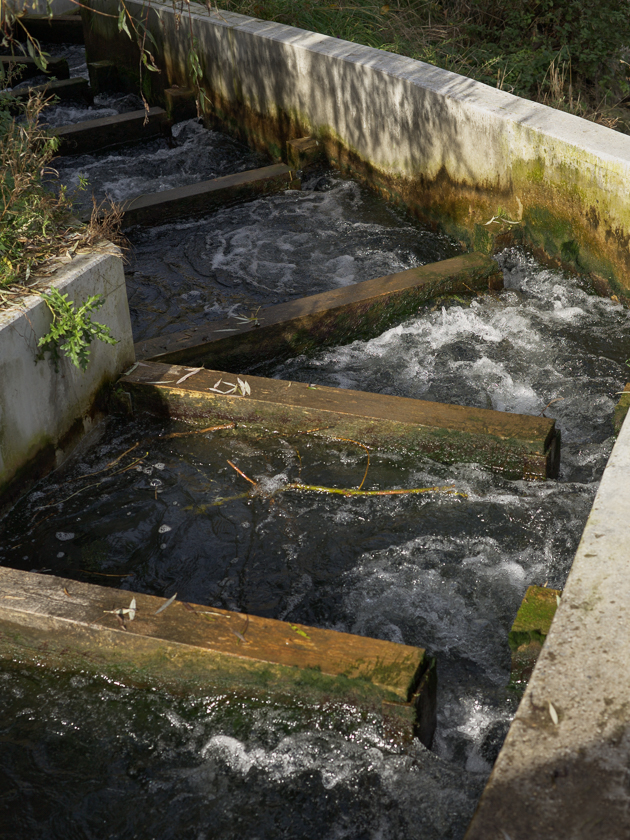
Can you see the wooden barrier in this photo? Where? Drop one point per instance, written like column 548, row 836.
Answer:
column 517, row 445
column 76, row 626
column 111, row 132
column 359, row 311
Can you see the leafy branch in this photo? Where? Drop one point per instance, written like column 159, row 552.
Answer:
column 72, row 330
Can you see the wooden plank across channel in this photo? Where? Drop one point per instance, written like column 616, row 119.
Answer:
column 517, row 445
column 359, row 311
column 111, row 132
column 59, row 29
column 205, row 196
column 63, row 89
column 56, row 66
column 73, row 625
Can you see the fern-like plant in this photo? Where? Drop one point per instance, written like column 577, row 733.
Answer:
column 72, row 330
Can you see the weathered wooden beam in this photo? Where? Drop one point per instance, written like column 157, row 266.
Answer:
column 205, row 196
column 530, row 629
column 517, row 445
column 304, row 152
column 111, row 132
column 75, row 626
column 56, row 67
column 180, row 104
column 104, row 77
column 360, row 311
column 60, row 29
column 64, row 89
column 621, row 409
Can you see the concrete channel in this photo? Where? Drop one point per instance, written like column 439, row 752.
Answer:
column 562, row 772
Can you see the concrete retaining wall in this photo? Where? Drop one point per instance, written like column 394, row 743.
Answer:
column 42, row 412
column 569, row 777
column 451, row 149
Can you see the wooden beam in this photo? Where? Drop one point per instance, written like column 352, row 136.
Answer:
column 517, row 445
column 56, row 66
column 111, row 132
column 205, row 196
column 63, row 89
column 60, row 29
column 76, row 626
column 342, row 315
column 529, row 631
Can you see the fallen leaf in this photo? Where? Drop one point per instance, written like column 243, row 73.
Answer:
column 553, row 714
column 167, row 604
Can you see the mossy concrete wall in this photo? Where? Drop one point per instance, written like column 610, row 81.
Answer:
column 451, row 149
column 44, row 411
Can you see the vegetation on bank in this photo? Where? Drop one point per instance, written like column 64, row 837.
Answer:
column 571, row 54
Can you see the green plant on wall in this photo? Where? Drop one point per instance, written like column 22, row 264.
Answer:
column 72, row 330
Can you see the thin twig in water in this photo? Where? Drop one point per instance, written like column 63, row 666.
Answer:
column 240, row 472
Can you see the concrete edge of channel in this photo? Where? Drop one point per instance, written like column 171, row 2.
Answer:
column 44, row 412
column 563, row 770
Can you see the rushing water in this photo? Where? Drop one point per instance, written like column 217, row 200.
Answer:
column 157, row 507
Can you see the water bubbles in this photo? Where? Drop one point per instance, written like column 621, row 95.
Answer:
column 164, row 529
column 64, row 536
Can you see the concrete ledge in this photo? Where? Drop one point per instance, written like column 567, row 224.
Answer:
column 111, row 132
column 517, row 445
column 63, row 623
column 563, row 770
column 42, row 411
column 359, row 311
column 205, row 196
column 451, row 149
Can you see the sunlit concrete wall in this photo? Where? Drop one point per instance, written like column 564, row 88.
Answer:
column 451, row 149
column 43, row 411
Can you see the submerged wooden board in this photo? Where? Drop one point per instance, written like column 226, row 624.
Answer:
column 359, row 311
column 621, row 409
column 111, row 132
column 205, row 196
column 56, row 66
column 63, row 89
column 63, row 623
column 518, row 445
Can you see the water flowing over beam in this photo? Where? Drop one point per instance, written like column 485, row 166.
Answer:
column 360, row 311
column 197, row 199
column 110, row 132
column 63, row 89
column 77, row 626
column 517, row 445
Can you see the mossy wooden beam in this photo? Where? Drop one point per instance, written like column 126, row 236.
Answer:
column 205, row 196
column 111, row 132
column 56, row 67
column 621, row 409
column 530, row 629
column 359, row 311
column 77, row 626
column 517, row 445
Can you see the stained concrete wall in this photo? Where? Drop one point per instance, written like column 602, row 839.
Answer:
column 43, row 412
column 451, row 149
